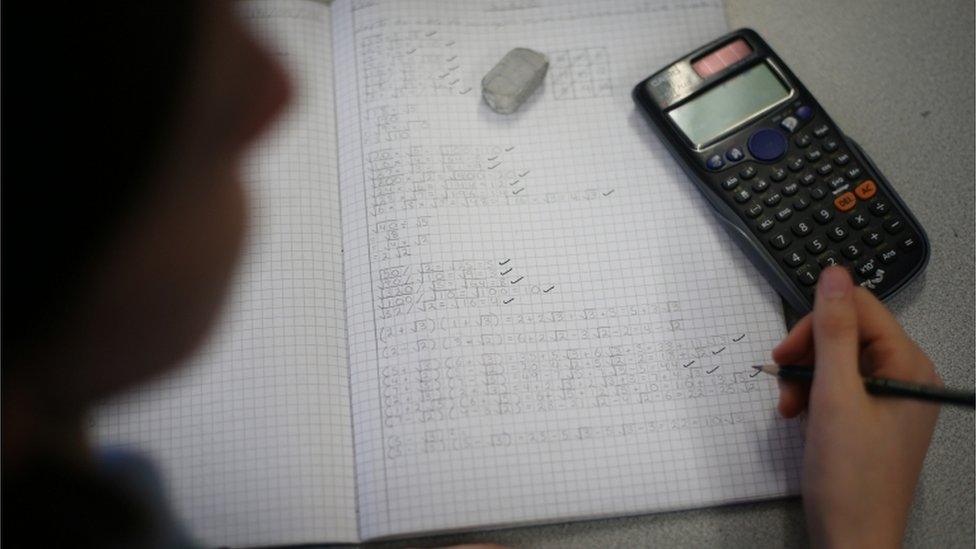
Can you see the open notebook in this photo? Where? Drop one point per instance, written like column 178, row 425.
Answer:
column 514, row 319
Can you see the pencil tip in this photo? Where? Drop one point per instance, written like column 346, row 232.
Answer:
column 758, row 368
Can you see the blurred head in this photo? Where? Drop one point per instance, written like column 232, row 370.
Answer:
column 123, row 205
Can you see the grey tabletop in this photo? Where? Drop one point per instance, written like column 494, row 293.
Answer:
column 898, row 77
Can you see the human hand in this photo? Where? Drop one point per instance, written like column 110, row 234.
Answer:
column 863, row 453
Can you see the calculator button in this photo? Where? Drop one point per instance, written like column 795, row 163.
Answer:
column 807, row 275
column 842, row 159
column 851, row 251
column 780, row 241
column 802, row 228
column 821, row 130
column 813, row 155
column 866, row 189
column 817, row 193
column 888, row 255
column 872, row 237
column 845, row 202
column 837, row 233
column 790, row 189
column 767, row 144
column 765, row 224
column 807, row 179
column 778, row 174
column 830, row 145
column 879, row 207
column 794, row 259
column 714, row 162
column 823, row 216
column 908, row 242
column 824, row 169
column 857, row 220
column 748, row 172
column 754, row 210
column 852, row 173
column 741, row 196
column 734, row 154
column 800, row 204
column 760, row 185
column 866, row 267
column 730, row 183
column 773, row 199
column 828, row 259
column 784, row 214
column 894, row 226
column 795, row 164
column 816, row 245
column 803, row 140
column 789, row 123
column 804, row 112
column 836, row 182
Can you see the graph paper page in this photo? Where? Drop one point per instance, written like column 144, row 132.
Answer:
column 254, row 437
column 545, row 320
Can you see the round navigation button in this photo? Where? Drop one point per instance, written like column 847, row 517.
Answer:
column 767, row 144
column 804, row 113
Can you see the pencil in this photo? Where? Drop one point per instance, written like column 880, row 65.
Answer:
column 882, row 386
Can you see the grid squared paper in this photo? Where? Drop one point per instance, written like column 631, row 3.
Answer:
column 545, row 320
column 254, row 437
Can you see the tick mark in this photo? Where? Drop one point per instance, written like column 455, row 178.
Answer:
column 517, row 280
column 504, row 262
column 546, row 291
column 455, row 81
column 452, row 58
column 411, row 51
column 509, row 300
column 713, row 369
column 513, row 183
column 506, row 272
column 925, row 113
column 466, row 90
column 525, row 173
column 454, row 68
column 756, row 373
column 689, row 364
column 493, row 158
column 608, row 193
column 718, row 351
column 510, row 149
column 451, row 43
column 493, row 166
column 739, row 338
column 443, row 76
column 431, row 33
column 519, row 190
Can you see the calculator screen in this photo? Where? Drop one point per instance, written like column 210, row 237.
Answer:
column 729, row 104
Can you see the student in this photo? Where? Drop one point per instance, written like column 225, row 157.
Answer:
column 123, row 214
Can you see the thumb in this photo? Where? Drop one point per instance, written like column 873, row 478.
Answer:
column 835, row 338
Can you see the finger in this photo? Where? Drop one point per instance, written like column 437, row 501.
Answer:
column 892, row 353
column 793, row 398
column 797, row 346
column 835, row 338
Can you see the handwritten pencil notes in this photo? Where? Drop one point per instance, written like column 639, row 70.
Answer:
column 509, row 83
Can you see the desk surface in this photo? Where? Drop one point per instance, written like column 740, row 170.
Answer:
column 899, row 79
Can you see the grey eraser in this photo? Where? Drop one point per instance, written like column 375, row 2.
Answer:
column 509, row 83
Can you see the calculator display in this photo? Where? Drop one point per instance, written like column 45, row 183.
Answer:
column 729, row 104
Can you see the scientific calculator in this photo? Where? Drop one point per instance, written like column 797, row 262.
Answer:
column 796, row 194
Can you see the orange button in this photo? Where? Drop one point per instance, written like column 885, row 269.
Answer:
column 866, row 190
column 845, row 202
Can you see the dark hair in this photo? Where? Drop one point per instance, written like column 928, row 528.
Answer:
column 89, row 93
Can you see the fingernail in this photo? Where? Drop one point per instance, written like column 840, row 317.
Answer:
column 834, row 283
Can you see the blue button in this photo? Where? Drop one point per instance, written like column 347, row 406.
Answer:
column 804, row 113
column 767, row 144
column 735, row 154
column 714, row 162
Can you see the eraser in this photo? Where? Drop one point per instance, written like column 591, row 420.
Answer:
column 509, row 83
